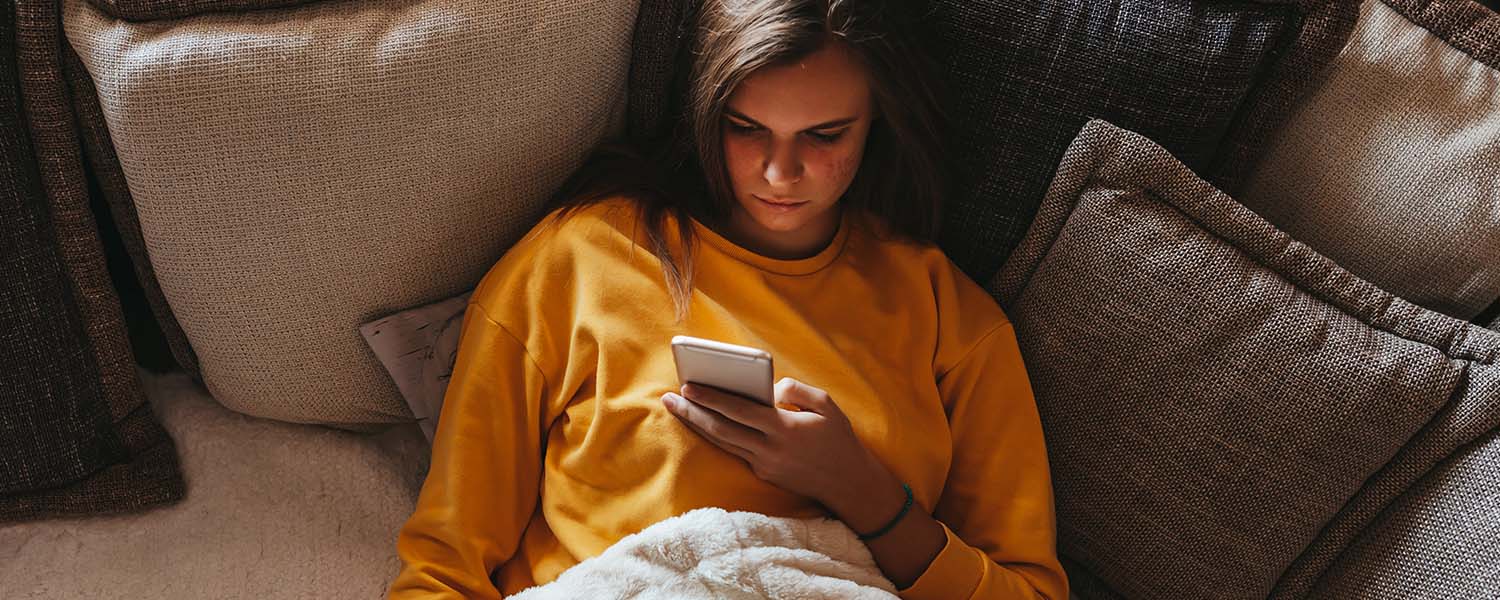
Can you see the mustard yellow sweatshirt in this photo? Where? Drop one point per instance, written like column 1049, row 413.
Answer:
column 553, row 442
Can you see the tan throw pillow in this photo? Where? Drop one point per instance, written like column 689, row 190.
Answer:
column 1390, row 167
column 1225, row 409
column 418, row 347
column 298, row 172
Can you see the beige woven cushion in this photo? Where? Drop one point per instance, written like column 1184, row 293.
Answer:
column 1392, row 167
column 298, row 172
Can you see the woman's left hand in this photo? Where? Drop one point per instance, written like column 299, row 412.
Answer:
column 810, row 451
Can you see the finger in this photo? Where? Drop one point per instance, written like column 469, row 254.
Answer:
column 742, row 453
column 742, row 410
column 714, row 425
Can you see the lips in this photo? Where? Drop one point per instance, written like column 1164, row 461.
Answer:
column 780, row 201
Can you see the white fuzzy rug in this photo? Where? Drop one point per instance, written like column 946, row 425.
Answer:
column 273, row 510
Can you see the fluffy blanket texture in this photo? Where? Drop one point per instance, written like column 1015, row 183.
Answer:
column 713, row 554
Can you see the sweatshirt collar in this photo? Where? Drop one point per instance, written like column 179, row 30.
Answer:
column 800, row 266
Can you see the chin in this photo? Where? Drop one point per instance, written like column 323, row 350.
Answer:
column 781, row 223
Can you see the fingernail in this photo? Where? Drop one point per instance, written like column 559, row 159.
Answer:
column 689, row 389
column 670, row 400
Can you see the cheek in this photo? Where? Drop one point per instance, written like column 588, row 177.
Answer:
column 738, row 159
column 838, row 166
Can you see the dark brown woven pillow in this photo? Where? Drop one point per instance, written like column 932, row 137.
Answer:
column 1464, row 24
column 1225, row 409
column 1208, row 79
column 152, row 10
column 76, row 435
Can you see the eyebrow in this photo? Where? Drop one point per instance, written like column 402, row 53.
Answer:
column 825, row 125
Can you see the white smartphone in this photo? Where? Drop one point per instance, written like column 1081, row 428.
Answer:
column 739, row 369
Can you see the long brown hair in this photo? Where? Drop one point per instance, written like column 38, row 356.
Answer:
column 900, row 178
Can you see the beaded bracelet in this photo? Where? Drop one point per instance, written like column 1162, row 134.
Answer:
column 891, row 525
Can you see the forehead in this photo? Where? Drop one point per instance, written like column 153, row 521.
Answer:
column 828, row 84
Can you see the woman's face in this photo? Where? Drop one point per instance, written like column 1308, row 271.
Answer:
column 793, row 138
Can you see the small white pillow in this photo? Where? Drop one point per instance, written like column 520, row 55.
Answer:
column 418, row 347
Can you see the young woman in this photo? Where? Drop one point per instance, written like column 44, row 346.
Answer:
column 792, row 211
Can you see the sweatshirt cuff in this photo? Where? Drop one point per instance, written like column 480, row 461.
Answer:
column 954, row 573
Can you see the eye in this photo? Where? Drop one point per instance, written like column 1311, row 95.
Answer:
column 825, row 138
column 739, row 128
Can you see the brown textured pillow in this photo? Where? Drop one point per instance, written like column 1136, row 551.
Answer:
column 1389, row 167
column 1207, row 80
column 1223, row 406
column 76, row 435
column 1441, row 539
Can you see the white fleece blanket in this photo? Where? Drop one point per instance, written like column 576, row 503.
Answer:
column 711, row 553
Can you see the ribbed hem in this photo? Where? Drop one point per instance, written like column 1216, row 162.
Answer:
column 951, row 574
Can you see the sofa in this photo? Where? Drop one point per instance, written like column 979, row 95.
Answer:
column 1251, row 249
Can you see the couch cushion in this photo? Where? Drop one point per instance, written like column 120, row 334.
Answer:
column 74, row 437
column 298, row 172
column 1208, row 80
column 1390, row 167
column 274, row 510
column 1213, row 391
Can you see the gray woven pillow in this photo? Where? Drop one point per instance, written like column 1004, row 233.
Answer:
column 1224, row 408
column 1206, row 79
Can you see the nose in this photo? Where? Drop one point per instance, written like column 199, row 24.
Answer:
column 782, row 164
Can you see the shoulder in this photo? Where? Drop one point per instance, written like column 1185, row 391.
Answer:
column 560, row 244
column 953, row 291
column 966, row 316
column 562, row 227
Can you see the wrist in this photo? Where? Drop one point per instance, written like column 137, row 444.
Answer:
column 870, row 501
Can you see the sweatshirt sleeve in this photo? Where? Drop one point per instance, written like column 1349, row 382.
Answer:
column 483, row 485
column 996, row 507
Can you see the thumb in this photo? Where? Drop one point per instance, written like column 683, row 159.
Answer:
column 803, row 396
